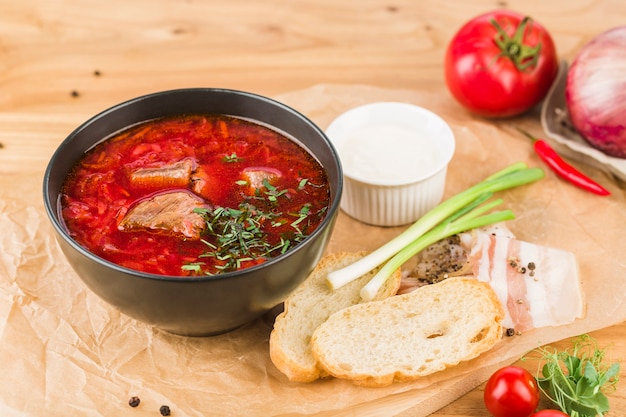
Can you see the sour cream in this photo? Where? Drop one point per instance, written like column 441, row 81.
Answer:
column 395, row 158
column 388, row 152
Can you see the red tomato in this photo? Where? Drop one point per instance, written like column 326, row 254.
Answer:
column 500, row 64
column 511, row 392
column 549, row 413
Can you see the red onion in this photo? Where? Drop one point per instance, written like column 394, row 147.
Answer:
column 596, row 92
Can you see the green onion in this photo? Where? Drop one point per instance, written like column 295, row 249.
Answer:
column 462, row 212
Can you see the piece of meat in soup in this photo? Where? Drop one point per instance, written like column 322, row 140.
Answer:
column 177, row 174
column 169, row 213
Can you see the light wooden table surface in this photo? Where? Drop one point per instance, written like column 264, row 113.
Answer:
column 61, row 60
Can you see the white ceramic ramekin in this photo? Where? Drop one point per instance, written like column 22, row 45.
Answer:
column 395, row 158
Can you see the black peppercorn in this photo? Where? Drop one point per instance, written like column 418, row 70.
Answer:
column 510, row 332
column 134, row 401
column 165, row 410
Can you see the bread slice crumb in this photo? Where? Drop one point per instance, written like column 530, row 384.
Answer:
column 309, row 306
column 412, row 335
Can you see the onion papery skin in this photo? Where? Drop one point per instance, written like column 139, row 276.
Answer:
column 595, row 92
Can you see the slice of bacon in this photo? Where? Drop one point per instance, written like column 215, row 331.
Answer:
column 539, row 286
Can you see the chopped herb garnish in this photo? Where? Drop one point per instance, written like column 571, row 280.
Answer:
column 303, row 214
column 235, row 236
column 277, row 223
column 272, row 192
column 193, row 267
column 231, row 158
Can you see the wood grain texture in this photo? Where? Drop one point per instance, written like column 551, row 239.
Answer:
column 64, row 60
column 50, row 48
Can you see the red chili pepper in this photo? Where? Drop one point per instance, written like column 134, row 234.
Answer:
column 562, row 168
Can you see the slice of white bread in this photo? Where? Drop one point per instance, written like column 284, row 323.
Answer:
column 308, row 307
column 411, row 335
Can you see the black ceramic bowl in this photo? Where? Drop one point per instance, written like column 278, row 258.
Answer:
column 205, row 305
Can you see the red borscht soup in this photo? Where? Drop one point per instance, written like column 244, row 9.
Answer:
column 194, row 195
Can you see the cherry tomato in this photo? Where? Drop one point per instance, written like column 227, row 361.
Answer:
column 500, row 64
column 511, row 392
column 549, row 413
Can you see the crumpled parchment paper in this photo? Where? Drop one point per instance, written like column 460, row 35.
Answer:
column 63, row 351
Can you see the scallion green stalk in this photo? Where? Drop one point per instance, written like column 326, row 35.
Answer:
column 460, row 212
column 444, row 230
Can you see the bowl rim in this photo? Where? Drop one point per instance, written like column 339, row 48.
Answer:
column 351, row 115
column 61, row 231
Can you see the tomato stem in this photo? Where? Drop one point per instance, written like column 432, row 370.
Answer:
column 521, row 55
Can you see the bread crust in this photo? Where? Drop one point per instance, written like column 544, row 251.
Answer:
column 309, row 306
column 412, row 335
